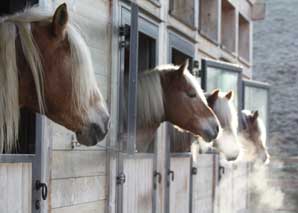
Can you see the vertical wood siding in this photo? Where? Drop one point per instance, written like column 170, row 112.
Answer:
column 15, row 187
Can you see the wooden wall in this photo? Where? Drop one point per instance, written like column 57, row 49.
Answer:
column 78, row 176
column 15, row 180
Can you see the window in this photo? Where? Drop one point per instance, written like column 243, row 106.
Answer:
column 256, row 97
column 144, row 51
column 180, row 50
column 183, row 10
column 228, row 26
column 209, row 19
column 224, row 76
column 244, row 39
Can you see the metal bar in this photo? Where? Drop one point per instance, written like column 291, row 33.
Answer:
column 16, row 158
column 36, row 164
column 133, row 79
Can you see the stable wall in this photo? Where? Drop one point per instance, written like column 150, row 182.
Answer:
column 77, row 175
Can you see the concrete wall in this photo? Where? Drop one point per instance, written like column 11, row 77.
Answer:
column 275, row 61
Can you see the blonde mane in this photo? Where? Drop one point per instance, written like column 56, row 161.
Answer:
column 150, row 99
column 19, row 26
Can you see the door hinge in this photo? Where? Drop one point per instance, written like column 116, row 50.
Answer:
column 121, row 179
column 124, row 33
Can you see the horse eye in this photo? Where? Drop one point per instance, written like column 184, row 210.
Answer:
column 192, row 95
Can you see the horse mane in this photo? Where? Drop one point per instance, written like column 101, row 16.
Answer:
column 150, row 98
column 150, row 94
column 226, row 113
column 19, row 26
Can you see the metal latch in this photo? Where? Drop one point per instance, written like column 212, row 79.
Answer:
column 194, row 170
column 121, row 179
column 44, row 192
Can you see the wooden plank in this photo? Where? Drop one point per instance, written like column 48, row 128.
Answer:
column 62, row 139
column 67, row 164
column 72, row 191
column 137, row 190
column 180, row 187
column 203, row 184
column 93, row 207
column 15, row 186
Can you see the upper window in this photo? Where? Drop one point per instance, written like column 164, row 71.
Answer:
column 228, row 26
column 244, row 39
column 183, row 10
column 256, row 97
column 209, row 19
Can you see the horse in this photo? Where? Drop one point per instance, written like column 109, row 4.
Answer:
column 252, row 138
column 46, row 67
column 248, row 144
column 170, row 93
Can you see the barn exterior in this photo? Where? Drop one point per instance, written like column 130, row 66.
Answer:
column 216, row 36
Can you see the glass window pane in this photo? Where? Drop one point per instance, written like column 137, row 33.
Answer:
column 223, row 80
column 257, row 99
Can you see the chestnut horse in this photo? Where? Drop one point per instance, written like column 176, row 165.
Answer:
column 46, row 66
column 170, row 93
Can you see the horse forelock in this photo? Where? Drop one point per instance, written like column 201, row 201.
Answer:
column 226, row 112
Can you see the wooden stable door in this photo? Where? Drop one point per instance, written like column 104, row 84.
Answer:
column 205, row 179
column 179, row 183
column 20, row 172
column 137, row 183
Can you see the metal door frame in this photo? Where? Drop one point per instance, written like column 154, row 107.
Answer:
column 259, row 85
column 35, row 159
column 180, row 44
column 130, row 15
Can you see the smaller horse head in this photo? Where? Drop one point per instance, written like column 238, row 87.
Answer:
column 70, row 92
column 253, row 134
column 222, row 105
column 185, row 105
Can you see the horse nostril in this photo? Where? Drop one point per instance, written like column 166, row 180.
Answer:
column 217, row 129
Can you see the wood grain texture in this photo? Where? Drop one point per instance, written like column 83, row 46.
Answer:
column 137, row 190
column 180, row 186
column 15, row 187
column 68, row 164
column 73, row 191
column 92, row 207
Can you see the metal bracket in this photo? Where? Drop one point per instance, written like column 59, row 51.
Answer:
column 194, row 170
column 124, row 33
column 121, row 179
column 124, row 30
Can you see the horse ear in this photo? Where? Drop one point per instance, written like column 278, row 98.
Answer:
column 183, row 67
column 255, row 115
column 60, row 20
column 212, row 98
column 229, row 95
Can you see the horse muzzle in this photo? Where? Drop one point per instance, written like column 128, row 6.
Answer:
column 94, row 133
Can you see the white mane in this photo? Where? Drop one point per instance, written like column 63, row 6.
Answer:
column 19, row 25
column 226, row 113
column 150, row 99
